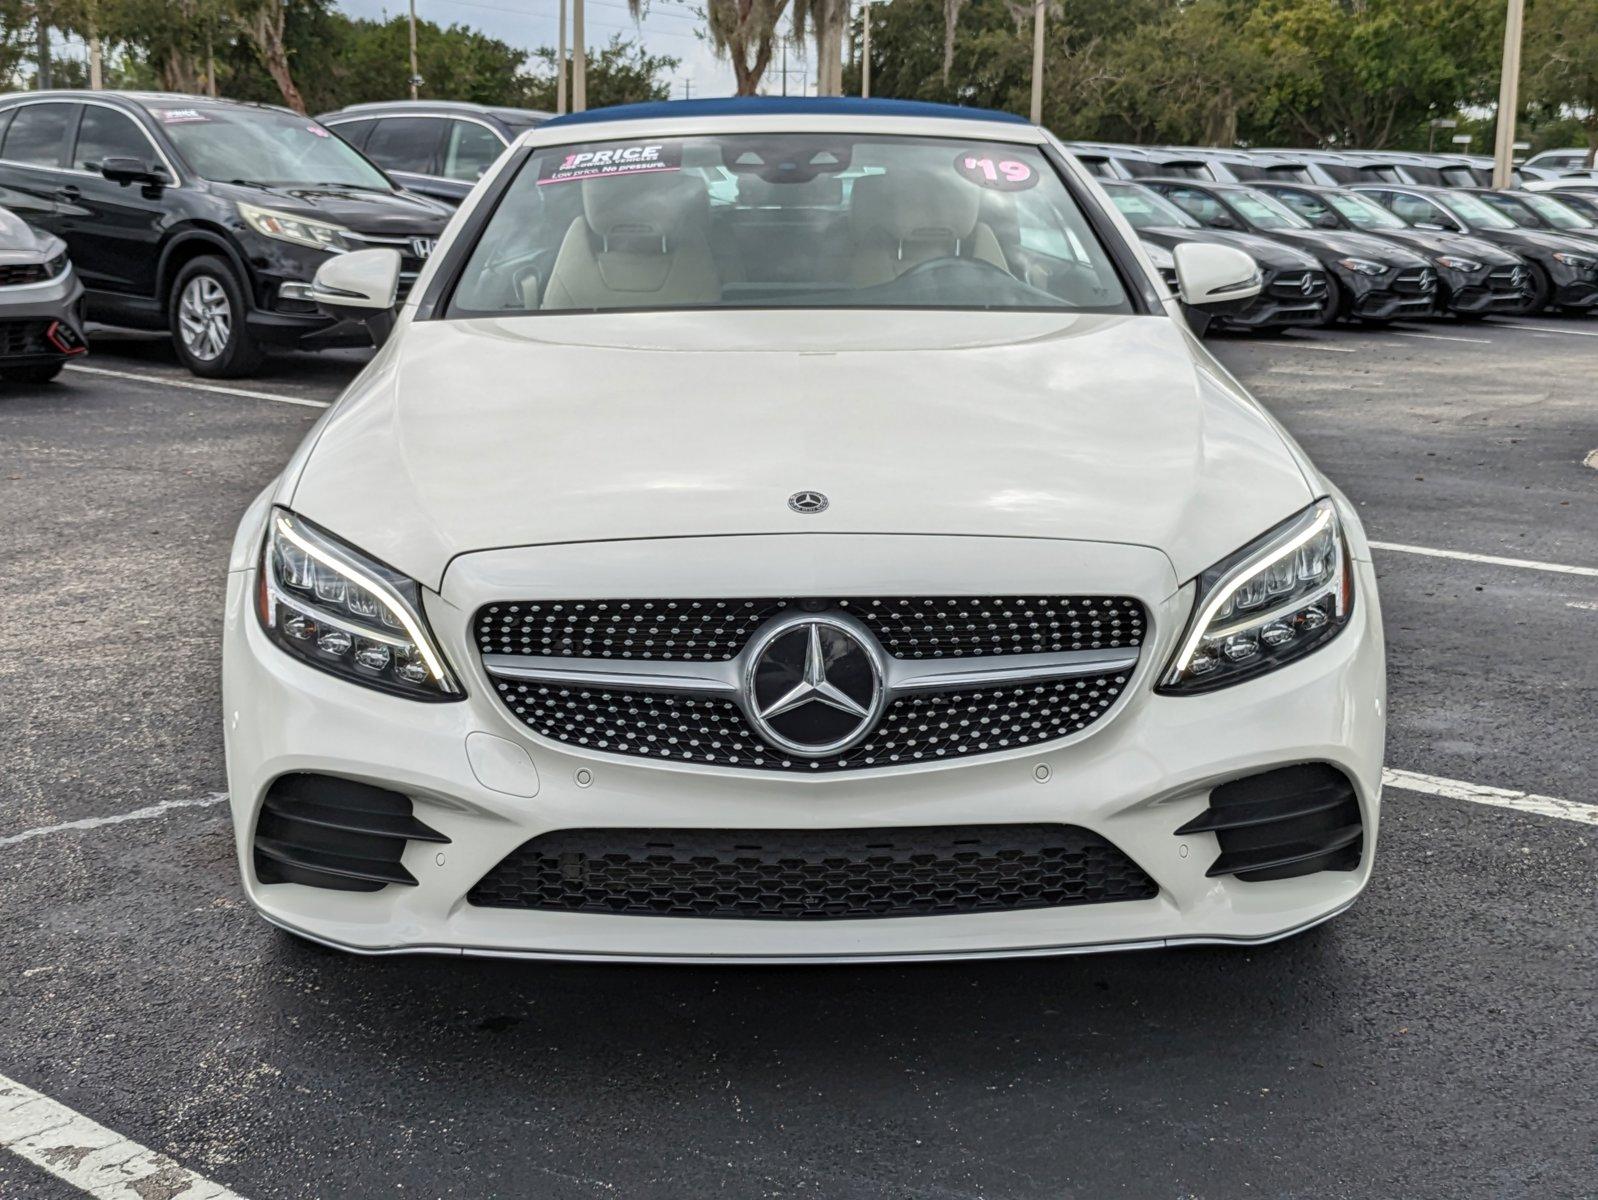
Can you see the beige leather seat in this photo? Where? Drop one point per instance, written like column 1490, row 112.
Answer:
column 907, row 217
column 640, row 242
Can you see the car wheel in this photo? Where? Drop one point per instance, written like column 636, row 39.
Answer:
column 206, row 313
column 37, row 374
column 1332, row 306
column 1538, row 289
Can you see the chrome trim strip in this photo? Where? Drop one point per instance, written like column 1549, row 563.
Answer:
column 902, row 675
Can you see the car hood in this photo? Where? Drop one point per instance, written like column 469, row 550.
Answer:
column 1535, row 241
column 1262, row 250
column 1433, row 244
column 469, row 435
column 21, row 242
column 354, row 208
column 1350, row 243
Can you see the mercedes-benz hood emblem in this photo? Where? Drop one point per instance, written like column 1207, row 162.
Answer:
column 808, row 502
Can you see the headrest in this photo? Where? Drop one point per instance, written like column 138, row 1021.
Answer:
column 914, row 205
column 645, row 208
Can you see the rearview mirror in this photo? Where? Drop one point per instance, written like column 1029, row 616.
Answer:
column 362, row 285
column 1209, row 275
column 131, row 170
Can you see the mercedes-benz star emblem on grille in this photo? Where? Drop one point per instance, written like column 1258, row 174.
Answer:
column 1427, row 281
column 808, row 502
column 1307, row 284
column 423, row 246
column 814, row 685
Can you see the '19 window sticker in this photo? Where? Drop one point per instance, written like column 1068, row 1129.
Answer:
column 988, row 170
column 636, row 159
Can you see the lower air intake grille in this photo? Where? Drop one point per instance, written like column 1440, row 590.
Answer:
column 817, row 874
column 334, row 833
column 1283, row 823
column 19, row 338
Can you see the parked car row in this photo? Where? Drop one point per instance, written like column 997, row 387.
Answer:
column 208, row 218
column 1342, row 236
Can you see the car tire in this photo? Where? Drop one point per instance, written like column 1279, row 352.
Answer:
column 1332, row 306
column 205, row 312
column 43, row 373
column 1540, row 291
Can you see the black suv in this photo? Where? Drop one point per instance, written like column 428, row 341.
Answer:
column 436, row 147
column 205, row 217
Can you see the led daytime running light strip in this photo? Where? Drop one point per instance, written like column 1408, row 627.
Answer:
column 379, row 589
column 1229, row 588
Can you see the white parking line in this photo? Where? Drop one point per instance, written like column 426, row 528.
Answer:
column 1588, row 605
column 1454, row 789
column 1490, row 559
column 1287, row 345
column 90, row 1157
column 197, row 386
column 1555, row 329
column 138, row 814
column 1441, row 337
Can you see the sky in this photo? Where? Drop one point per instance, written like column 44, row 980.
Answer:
column 669, row 27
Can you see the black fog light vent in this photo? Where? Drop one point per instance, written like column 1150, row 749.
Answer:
column 335, row 833
column 1283, row 824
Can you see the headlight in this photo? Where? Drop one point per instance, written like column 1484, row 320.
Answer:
column 331, row 606
column 1363, row 266
column 1576, row 262
column 1273, row 601
column 300, row 230
column 1455, row 263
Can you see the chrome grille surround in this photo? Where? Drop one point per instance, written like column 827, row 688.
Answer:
column 943, row 704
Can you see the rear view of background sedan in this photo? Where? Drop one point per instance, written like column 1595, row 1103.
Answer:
column 792, row 532
column 1370, row 279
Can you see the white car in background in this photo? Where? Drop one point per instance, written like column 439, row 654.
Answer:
column 864, row 562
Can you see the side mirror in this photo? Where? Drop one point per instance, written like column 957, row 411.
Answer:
column 361, row 285
column 1208, row 275
column 131, row 170
column 1327, row 221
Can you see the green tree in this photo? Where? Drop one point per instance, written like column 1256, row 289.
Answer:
column 1560, row 64
column 622, row 72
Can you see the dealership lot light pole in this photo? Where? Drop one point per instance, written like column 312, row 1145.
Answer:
column 1037, row 61
column 579, row 60
column 1508, row 95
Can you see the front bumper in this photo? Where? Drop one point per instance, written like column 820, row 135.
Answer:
column 281, row 315
column 1285, row 300
column 1491, row 289
column 1392, row 296
column 42, row 323
column 1135, row 777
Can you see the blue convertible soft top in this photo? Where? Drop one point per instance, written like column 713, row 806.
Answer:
column 767, row 106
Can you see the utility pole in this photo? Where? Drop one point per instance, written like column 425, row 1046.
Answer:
column 1037, row 61
column 1508, row 95
column 416, row 76
column 865, row 50
column 42, row 21
column 687, row 89
column 579, row 60
column 560, row 64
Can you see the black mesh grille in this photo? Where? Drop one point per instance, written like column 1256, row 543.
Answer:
column 825, row 874
column 931, row 727
column 24, row 337
column 710, row 630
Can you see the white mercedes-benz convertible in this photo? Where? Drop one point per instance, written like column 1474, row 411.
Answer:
column 798, row 531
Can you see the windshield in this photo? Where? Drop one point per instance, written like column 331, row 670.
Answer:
column 1363, row 214
column 1555, row 212
column 265, row 146
column 1264, row 212
column 1475, row 212
column 765, row 220
column 1149, row 210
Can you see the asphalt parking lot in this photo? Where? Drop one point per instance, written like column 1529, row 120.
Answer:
column 1438, row 1040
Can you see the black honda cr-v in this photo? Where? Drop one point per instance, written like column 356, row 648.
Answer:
column 204, row 217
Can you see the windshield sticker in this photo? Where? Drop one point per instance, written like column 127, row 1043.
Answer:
column 182, row 116
column 318, row 131
column 613, row 160
column 1001, row 174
